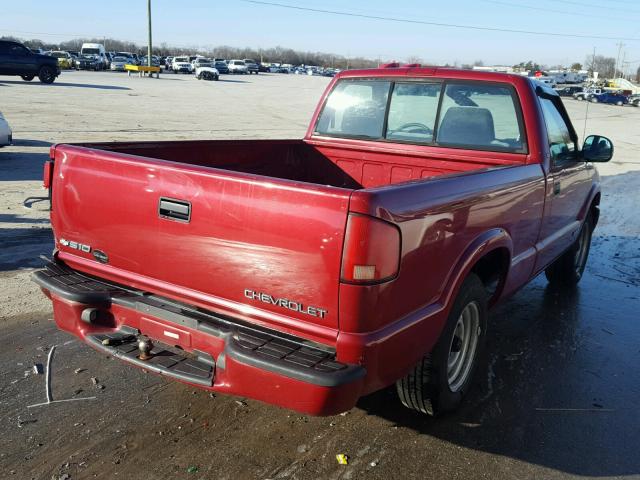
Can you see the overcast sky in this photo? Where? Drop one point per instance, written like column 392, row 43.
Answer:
column 238, row 23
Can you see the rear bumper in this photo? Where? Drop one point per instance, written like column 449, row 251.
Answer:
column 215, row 353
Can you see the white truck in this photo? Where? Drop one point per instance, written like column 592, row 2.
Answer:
column 97, row 50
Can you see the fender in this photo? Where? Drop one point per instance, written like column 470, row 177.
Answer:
column 483, row 244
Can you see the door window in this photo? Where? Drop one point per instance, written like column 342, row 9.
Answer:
column 562, row 144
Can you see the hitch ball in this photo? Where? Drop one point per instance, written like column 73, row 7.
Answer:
column 145, row 345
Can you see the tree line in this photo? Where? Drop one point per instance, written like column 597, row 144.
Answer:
column 265, row 55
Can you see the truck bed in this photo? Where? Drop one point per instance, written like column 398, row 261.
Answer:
column 347, row 166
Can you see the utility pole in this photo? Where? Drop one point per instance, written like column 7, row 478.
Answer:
column 620, row 45
column 149, row 45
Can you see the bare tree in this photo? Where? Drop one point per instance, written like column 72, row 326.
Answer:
column 605, row 66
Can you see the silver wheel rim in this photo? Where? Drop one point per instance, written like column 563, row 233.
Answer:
column 581, row 252
column 463, row 347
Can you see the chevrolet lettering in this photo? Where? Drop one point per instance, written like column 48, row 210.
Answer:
column 285, row 303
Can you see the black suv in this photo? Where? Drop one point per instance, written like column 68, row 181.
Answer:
column 16, row 59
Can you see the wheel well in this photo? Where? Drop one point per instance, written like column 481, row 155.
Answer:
column 594, row 209
column 492, row 269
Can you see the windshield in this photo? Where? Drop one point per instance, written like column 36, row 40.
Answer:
column 238, row 62
column 181, row 59
column 249, row 61
column 119, row 59
column 59, row 55
column 90, row 51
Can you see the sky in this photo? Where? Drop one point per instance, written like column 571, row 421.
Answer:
column 207, row 23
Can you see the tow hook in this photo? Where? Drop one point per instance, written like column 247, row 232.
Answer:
column 145, row 345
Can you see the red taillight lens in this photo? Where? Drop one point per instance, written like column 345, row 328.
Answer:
column 371, row 252
column 47, row 174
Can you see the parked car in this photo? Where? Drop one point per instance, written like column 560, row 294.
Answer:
column 252, row 66
column 568, row 91
column 202, row 62
column 155, row 61
column 181, row 65
column 97, row 51
column 65, row 60
column 587, row 93
column 634, row 100
column 118, row 64
column 237, row 66
column 16, row 59
column 6, row 135
column 89, row 62
column 307, row 281
column 205, row 71
column 167, row 63
column 610, row 97
column 221, row 67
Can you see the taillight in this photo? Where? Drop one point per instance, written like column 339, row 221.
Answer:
column 47, row 175
column 371, row 252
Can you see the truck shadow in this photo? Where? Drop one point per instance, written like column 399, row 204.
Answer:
column 19, row 165
column 36, row 84
column 559, row 385
column 23, row 246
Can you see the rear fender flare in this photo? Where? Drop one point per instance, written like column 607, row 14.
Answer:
column 478, row 248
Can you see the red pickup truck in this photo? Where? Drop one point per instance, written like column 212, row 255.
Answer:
column 308, row 273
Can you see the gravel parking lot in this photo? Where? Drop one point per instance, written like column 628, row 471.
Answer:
column 559, row 398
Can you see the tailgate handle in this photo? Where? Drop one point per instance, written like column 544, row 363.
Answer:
column 174, row 209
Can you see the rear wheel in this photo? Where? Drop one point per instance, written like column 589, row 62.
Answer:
column 567, row 270
column 439, row 381
column 46, row 74
column 27, row 78
column 619, row 103
column 594, row 100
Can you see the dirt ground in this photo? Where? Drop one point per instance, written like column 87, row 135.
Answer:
column 558, row 397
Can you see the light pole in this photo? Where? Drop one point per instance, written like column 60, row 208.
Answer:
column 149, row 45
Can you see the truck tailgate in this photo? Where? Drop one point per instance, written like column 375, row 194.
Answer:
column 264, row 249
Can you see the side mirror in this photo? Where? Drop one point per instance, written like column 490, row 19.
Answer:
column 597, row 148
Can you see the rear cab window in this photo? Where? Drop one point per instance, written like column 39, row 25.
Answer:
column 447, row 113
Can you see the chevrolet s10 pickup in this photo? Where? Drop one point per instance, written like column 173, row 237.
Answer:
column 308, row 273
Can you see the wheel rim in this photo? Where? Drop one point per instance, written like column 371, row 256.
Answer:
column 581, row 252
column 46, row 74
column 464, row 344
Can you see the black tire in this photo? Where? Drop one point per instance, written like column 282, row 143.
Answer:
column 580, row 98
column 27, row 78
column 46, row 74
column 567, row 270
column 216, row 78
column 427, row 388
column 594, row 100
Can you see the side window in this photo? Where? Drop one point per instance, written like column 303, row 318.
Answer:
column 561, row 144
column 412, row 112
column 480, row 116
column 18, row 50
column 355, row 109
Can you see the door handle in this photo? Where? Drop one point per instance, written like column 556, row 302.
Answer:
column 556, row 187
column 173, row 209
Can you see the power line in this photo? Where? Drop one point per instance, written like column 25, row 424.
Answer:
column 599, row 7
column 438, row 24
column 562, row 12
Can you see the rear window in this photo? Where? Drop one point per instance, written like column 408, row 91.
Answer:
column 452, row 114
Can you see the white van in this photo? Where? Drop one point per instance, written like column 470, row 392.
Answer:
column 97, row 50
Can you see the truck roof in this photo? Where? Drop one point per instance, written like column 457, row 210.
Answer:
column 436, row 72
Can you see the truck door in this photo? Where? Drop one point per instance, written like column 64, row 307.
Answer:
column 568, row 183
column 17, row 60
